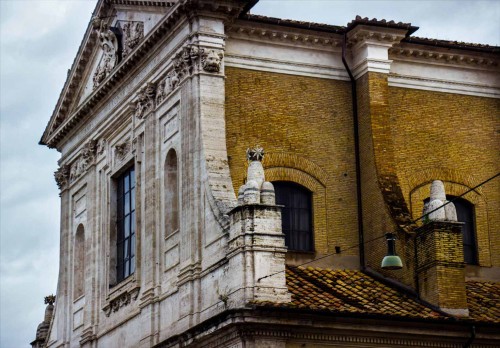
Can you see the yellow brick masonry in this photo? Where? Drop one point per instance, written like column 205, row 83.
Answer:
column 305, row 126
column 454, row 138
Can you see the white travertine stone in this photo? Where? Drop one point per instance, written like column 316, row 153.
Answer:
column 267, row 195
column 256, row 172
column 437, row 199
column 450, row 212
column 438, row 215
column 241, row 195
column 437, row 191
column 252, row 192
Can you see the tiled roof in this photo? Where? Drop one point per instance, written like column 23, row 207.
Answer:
column 483, row 299
column 354, row 292
column 294, row 23
column 349, row 291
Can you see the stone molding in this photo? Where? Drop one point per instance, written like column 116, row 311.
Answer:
column 369, row 47
column 281, row 36
column 422, row 54
column 121, row 300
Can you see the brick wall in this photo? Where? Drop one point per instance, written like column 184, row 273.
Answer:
column 454, row 138
column 305, row 127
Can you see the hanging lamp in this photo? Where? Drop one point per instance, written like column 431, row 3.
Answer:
column 391, row 261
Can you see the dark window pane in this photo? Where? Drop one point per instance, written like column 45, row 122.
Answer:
column 125, row 246
column 296, row 215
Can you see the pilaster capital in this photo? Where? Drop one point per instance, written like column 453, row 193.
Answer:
column 370, row 48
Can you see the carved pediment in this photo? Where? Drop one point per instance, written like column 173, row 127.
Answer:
column 116, row 39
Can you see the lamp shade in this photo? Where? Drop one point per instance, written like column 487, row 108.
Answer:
column 391, row 261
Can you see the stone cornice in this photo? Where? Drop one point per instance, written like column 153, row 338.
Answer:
column 55, row 132
column 282, row 35
column 444, row 57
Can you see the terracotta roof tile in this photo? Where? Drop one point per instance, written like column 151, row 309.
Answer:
column 483, row 299
column 349, row 291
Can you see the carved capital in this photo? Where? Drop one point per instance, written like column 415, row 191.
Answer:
column 86, row 159
column 145, row 100
column 62, row 176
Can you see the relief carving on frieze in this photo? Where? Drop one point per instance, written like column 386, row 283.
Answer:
column 109, row 45
column 133, row 33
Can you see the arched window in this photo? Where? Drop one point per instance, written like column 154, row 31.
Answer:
column 465, row 214
column 171, row 193
column 79, row 262
column 296, row 215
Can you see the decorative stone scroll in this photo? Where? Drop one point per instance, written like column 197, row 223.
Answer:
column 133, row 33
column 121, row 301
column 109, row 45
column 86, row 159
column 62, row 176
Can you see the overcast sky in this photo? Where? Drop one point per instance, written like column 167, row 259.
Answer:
column 39, row 40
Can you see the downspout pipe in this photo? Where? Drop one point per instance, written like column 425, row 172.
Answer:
column 354, row 97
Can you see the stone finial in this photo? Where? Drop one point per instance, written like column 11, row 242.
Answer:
column 50, row 300
column 438, row 199
column 255, row 154
column 257, row 190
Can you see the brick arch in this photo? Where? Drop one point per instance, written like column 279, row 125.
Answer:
column 319, row 200
column 416, row 179
column 291, row 160
column 421, row 192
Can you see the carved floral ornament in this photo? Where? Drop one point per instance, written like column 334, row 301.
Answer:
column 191, row 59
column 66, row 173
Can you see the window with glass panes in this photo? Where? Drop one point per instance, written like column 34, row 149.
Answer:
column 125, row 241
column 296, row 215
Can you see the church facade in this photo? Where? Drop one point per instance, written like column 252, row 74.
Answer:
column 228, row 179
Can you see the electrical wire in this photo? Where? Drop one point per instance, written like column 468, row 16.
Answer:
column 377, row 238
column 357, row 245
